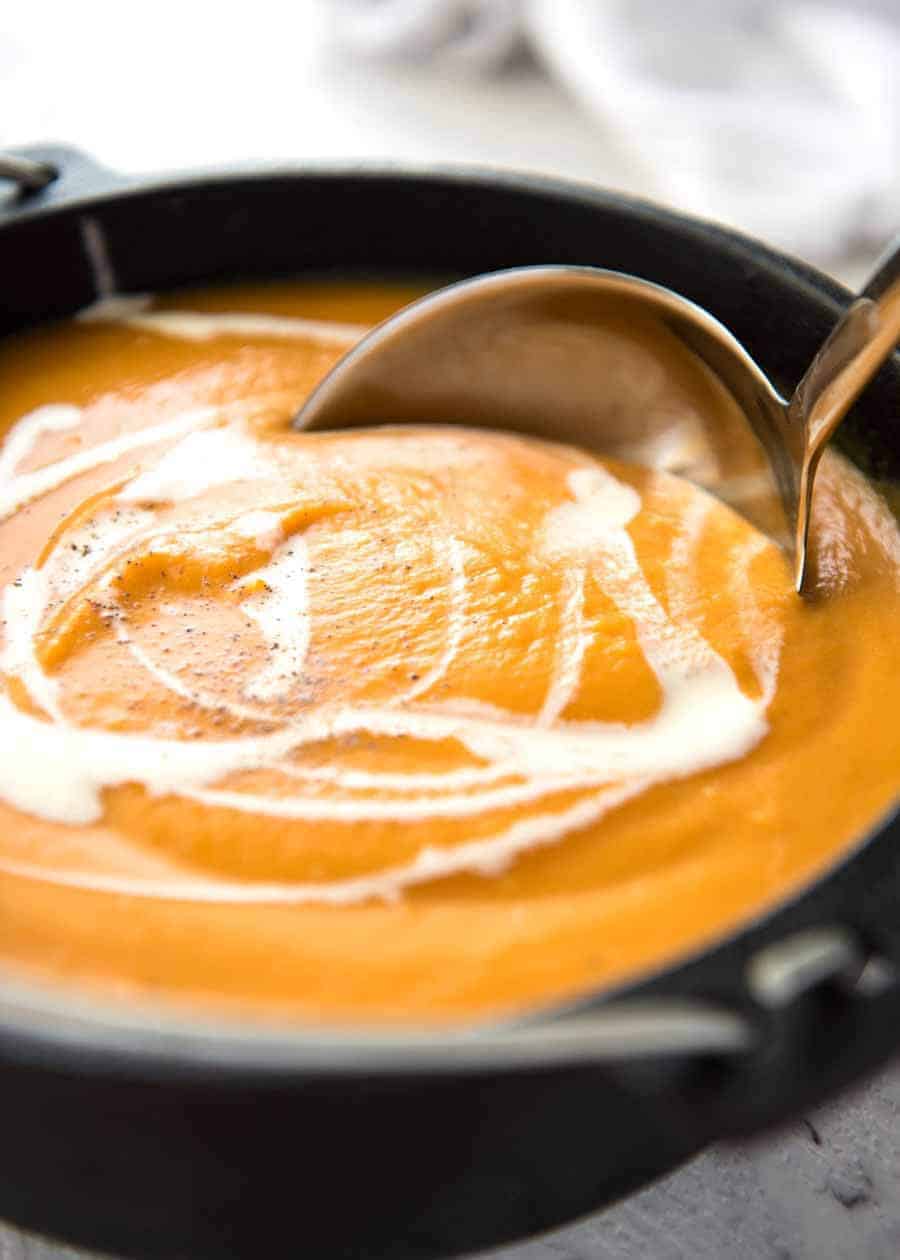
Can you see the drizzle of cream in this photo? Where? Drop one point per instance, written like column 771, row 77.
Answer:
column 318, row 809
column 264, row 528
column 281, row 611
column 96, row 249
column 114, row 308
column 704, row 718
column 92, row 545
column 679, row 446
column 383, row 780
column 488, row 856
column 610, row 503
column 679, row 581
column 199, row 462
column 27, row 432
column 171, row 681
column 21, row 489
column 24, row 602
column 200, row 326
column 456, row 621
column 85, row 761
column 762, row 635
column 572, row 645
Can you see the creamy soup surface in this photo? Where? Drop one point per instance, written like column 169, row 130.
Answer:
column 407, row 724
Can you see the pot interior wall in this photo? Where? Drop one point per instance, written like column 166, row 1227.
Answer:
column 224, row 229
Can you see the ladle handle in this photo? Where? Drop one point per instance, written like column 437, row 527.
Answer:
column 852, row 354
column 856, row 348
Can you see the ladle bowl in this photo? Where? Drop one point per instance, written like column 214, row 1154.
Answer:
column 622, row 366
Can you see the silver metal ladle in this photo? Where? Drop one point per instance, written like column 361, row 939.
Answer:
column 622, row 367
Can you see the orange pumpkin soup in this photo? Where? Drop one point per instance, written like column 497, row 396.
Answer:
column 395, row 724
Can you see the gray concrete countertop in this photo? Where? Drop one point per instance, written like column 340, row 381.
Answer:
column 826, row 1187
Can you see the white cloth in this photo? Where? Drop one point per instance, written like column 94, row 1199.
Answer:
column 474, row 34
column 779, row 116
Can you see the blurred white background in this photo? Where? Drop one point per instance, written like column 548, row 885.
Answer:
column 779, row 116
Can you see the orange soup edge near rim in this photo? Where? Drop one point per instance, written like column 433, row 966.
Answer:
column 407, row 724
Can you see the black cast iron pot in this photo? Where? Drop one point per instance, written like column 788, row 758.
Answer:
column 154, row 1139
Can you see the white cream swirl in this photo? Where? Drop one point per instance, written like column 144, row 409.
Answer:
column 704, row 719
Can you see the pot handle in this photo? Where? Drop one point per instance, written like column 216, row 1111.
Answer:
column 809, row 1000
column 50, row 177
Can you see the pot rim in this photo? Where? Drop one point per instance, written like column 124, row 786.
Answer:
column 41, row 1022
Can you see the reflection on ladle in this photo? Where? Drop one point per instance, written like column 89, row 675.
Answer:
column 621, row 366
